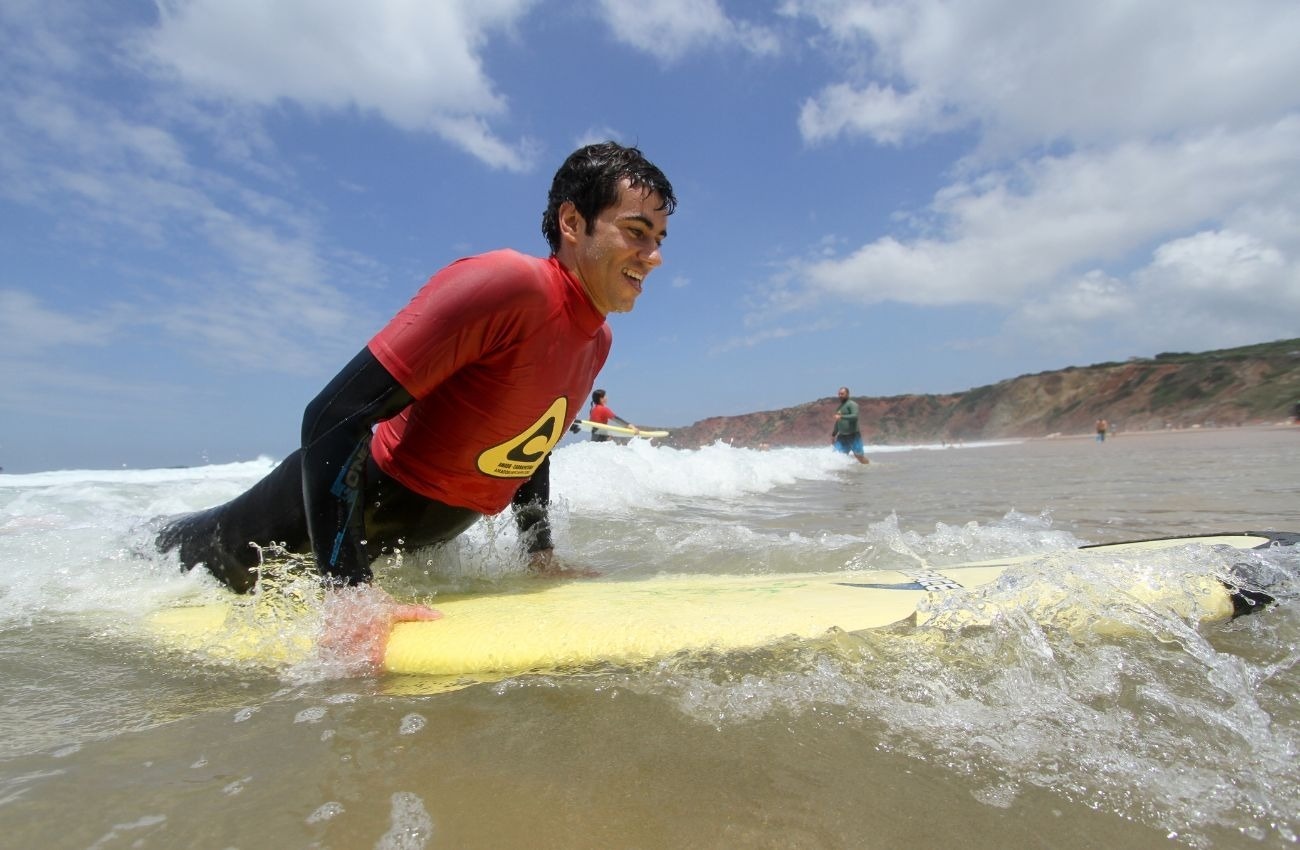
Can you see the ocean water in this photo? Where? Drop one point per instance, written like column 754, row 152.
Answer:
column 1014, row 734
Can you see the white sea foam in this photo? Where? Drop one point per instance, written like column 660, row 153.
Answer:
column 76, row 541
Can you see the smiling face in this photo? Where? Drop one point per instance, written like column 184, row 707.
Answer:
column 622, row 247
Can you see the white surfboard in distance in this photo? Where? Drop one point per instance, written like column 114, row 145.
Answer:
column 588, row 425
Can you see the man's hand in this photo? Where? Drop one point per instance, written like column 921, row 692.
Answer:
column 357, row 623
column 546, row 564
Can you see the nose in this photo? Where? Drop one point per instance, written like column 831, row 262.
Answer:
column 652, row 255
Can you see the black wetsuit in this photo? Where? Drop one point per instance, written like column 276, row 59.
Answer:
column 330, row 499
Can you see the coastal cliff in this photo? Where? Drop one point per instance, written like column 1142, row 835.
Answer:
column 1253, row 384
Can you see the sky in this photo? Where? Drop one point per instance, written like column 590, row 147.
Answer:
column 207, row 207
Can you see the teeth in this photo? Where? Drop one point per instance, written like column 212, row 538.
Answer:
column 633, row 275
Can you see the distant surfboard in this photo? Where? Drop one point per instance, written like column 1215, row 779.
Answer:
column 619, row 430
column 573, row 625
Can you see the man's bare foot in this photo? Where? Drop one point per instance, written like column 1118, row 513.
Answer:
column 546, row 564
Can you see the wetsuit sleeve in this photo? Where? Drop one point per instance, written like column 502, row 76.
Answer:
column 335, row 447
column 531, row 506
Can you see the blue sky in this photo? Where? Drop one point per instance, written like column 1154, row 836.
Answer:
column 208, row 206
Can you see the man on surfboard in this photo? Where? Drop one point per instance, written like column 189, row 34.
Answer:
column 467, row 390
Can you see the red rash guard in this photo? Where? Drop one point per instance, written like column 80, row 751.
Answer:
column 600, row 413
column 499, row 351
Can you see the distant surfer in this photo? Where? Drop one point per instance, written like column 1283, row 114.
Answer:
column 1102, row 427
column 845, row 436
column 467, row 389
column 600, row 413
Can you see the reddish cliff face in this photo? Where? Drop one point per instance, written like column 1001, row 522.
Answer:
column 1255, row 384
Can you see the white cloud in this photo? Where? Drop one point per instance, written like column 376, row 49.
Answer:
column 878, row 111
column 1124, row 161
column 416, row 64
column 1212, row 289
column 39, row 345
column 1028, row 73
column 198, row 248
column 29, row 326
column 669, row 29
column 1223, row 262
column 595, row 135
column 1221, row 285
column 1002, row 234
column 770, row 334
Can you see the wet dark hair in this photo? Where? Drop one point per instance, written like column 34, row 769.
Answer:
column 590, row 177
column 597, row 397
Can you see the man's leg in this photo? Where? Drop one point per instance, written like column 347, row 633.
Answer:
column 396, row 517
column 221, row 538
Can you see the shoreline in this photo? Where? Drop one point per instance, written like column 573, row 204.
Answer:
column 1226, row 433
column 1172, row 432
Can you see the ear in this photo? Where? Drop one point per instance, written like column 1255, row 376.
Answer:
column 571, row 222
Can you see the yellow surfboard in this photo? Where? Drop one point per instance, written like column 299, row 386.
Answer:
column 618, row 430
column 554, row 626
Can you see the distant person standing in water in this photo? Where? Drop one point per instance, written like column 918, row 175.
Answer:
column 845, row 436
column 1102, row 427
column 600, row 413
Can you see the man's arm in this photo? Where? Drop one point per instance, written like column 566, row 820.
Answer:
column 623, row 423
column 531, row 505
column 335, row 447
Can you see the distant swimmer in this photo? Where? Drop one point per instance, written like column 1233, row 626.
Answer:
column 845, row 436
column 467, row 390
column 601, row 414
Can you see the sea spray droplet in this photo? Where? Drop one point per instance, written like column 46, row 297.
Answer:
column 326, row 812
column 341, row 699
column 236, row 787
column 411, row 724
column 412, row 827
column 315, row 714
